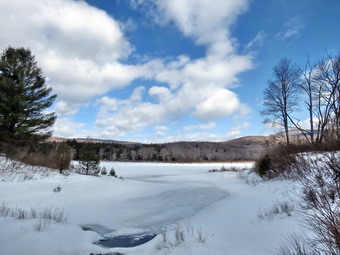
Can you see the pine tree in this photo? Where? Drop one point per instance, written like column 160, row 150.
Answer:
column 89, row 160
column 23, row 98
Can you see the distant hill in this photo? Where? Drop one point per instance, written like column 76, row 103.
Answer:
column 249, row 140
column 243, row 148
column 83, row 140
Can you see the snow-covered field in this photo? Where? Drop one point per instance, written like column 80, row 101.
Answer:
column 222, row 208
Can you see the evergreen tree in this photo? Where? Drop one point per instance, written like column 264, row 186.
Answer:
column 89, row 160
column 23, row 97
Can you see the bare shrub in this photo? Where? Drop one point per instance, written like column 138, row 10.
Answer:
column 57, row 189
column 34, row 213
column 21, row 214
column 61, row 156
column 249, row 178
column 42, row 225
column 180, row 233
column 12, row 170
column 320, row 200
column 189, row 229
column 165, row 243
column 4, row 210
column 278, row 208
column 296, row 245
column 201, row 235
column 50, row 155
column 224, row 169
column 282, row 159
column 53, row 214
column 46, row 216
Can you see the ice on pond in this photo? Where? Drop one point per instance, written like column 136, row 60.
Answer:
column 156, row 213
column 100, row 230
column 169, row 207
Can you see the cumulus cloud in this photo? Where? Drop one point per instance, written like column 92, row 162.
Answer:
column 77, row 45
column 65, row 108
column 200, row 87
column 66, row 127
column 203, row 20
column 218, row 103
column 82, row 51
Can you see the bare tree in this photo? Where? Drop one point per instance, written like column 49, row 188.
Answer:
column 327, row 81
column 307, row 87
column 281, row 95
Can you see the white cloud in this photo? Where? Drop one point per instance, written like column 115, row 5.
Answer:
column 218, row 104
column 161, row 93
column 200, row 87
column 205, row 21
column 291, row 29
column 199, row 136
column 210, row 125
column 77, row 45
column 81, row 50
column 161, row 131
column 65, row 127
column 257, row 41
column 161, row 128
column 64, row 108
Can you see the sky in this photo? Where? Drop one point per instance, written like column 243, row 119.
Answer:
column 166, row 70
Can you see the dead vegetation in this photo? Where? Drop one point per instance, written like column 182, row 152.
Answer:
column 318, row 198
column 45, row 216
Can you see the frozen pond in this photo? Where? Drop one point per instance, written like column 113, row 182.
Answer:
column 169, row 207
column 174, row 196
column 178, row 191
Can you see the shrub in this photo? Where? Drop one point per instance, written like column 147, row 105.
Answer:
column 112, row 172
column 179, row 234
column 278, row 208
column 263, row 165
column 319, row 197
column 62, row 156
column 57, row 189
column 89, row 160
column 103, row 171
column 45, row 217
column 224, row 169
column 51, row 155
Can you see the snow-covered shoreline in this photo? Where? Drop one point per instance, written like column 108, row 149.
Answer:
column 150, row 198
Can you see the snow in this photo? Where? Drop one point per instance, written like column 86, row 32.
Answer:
column 151, row 198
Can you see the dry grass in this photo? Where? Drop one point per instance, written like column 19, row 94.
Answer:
column 278, row 208
column 12, row 170
column 179, row 234
column 45, row 217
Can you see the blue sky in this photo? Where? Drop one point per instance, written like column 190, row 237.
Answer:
column 166, row 70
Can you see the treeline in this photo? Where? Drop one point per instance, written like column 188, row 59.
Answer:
column 170, row 152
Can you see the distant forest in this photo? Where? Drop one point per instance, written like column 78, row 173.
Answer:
column 172, row 152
